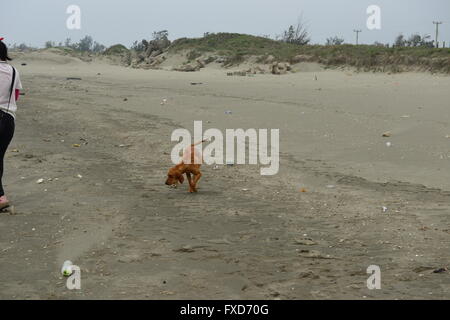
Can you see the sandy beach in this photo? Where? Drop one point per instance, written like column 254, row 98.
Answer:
column 102, row 147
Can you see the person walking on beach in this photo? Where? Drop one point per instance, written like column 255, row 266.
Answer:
column 9, row 93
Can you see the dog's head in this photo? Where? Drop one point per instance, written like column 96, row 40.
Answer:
column 173, row 177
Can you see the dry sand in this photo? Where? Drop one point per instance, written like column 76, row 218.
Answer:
column 107, row 209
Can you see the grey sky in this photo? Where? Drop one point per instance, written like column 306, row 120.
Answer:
column 112, row 21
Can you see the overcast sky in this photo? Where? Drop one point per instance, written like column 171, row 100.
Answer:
column 118, row 21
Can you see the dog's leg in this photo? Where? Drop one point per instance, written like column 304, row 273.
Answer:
column 197, row 177
column 188, row 175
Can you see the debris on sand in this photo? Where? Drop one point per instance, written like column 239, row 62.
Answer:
column 248, row 72
column 440, row 270
column 23, row 64
column 384, row 209
column 305, row 242
column 237, row 73
column 387, row 134
column 308, row 274
column 196, row 83
column 125, row 99
column 185, row 249
column 303, row 190
column 314, row 254
column 39, row 181
column 256, row 70
column 422, row 269
column 66, row 269
column 229, row 112
column 388, row 144
column 73, row 78
column 76, row 145
column 280, row 68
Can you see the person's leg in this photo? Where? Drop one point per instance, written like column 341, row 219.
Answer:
column 6, row 134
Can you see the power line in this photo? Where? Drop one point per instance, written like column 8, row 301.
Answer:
column 437, row 23
column 357, row 35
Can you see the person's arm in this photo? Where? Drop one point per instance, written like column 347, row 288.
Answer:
column 18, row 86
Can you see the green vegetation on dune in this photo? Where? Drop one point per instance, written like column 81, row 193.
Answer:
column 229, row 44
column 378, row 58
column 364, row 57
column 116, row 50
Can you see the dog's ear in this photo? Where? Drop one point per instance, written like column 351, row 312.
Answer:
column 181, row 178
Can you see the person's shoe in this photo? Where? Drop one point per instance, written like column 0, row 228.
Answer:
column 4, row 203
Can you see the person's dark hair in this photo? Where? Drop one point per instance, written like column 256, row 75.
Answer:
column 4, row 52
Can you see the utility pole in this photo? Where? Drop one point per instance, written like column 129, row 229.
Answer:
column 357, row 35
column 437, row 23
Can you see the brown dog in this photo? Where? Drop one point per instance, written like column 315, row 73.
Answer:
column 190, row 165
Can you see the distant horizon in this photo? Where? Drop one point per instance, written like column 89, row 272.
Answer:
column 58, row 43
column 112, row 22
